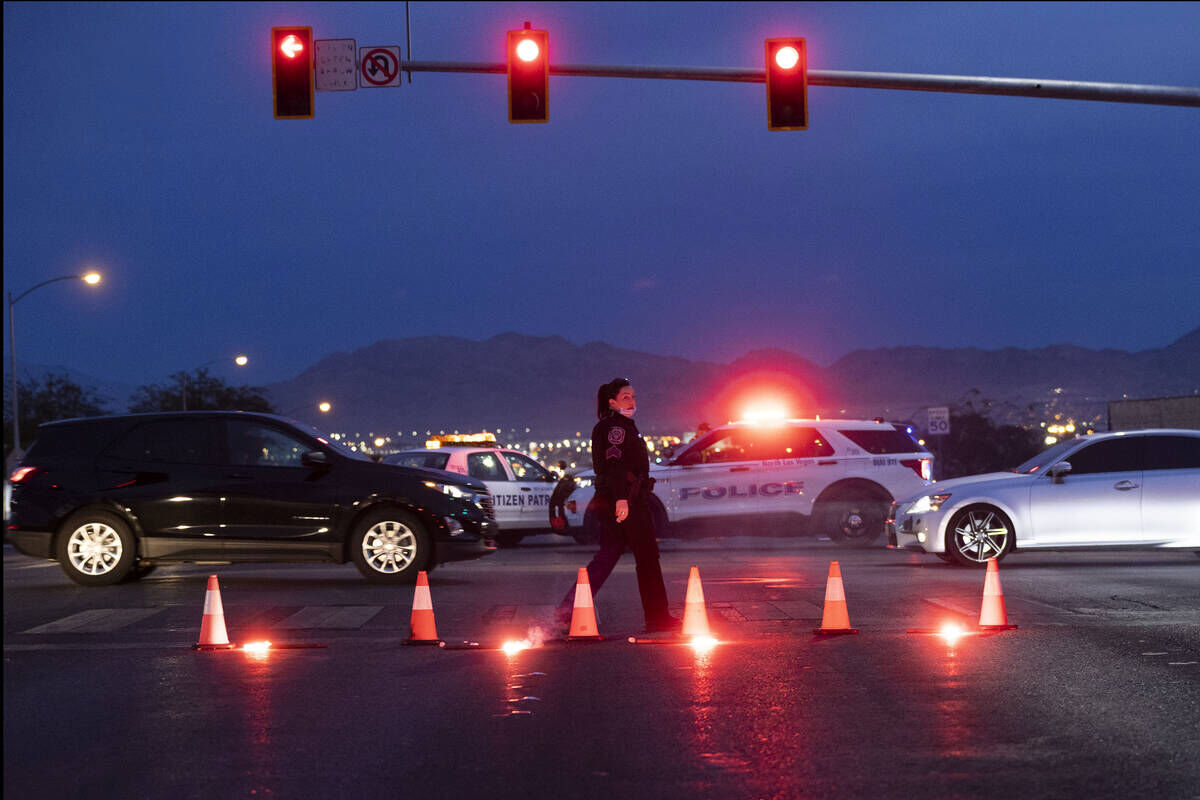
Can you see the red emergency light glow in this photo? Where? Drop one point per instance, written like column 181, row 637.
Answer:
column 527, row 50
column 787, row 57
column 703, row 644
column 512, row 648
column 291, row 46
column 952, row 632
column 21, row 474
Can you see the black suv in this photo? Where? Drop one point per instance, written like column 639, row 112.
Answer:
column 111, row 497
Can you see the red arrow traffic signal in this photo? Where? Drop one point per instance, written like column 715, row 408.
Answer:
column 292, row 72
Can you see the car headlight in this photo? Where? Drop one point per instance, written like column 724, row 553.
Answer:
column 454, row 491
column 930, row 502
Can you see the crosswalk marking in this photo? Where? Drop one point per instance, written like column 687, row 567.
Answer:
column 330, row 617
column 96, row 620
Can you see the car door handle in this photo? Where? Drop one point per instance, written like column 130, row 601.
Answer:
column 1124, row 486
column 739, row 469
column 526, row 489
column 826, row 463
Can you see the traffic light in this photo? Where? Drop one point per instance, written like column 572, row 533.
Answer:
column 292, row 72
column 528, row 75
column 787, row 85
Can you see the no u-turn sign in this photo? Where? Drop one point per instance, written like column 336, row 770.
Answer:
column 378, row 67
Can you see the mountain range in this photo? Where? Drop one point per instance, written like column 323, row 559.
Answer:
column 511, row 382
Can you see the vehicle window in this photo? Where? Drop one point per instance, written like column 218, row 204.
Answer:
column 485, row 467
column 884, row 439
column 1110, row 455
column 1045, row 458
column 423, row 460
column 765, row 444
column 255, row 445
column 805, row 443
column 1172, row 452
column 526, row 469
column 168, row 442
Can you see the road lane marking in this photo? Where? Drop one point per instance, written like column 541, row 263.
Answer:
column 96, row 620
column 329, row 617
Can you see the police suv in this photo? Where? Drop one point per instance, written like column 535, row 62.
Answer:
column 788, row 477
column 520, row 486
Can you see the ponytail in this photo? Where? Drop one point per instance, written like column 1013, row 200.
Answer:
column 608, row 391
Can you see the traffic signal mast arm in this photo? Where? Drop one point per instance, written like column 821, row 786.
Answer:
column 962, row 84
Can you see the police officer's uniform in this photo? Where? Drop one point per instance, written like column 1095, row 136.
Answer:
column 622, row 468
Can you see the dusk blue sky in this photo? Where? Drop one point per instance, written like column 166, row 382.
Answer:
column 656, row 215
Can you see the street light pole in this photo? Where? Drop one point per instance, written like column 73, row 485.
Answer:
column 90, row 278
column 241, row 361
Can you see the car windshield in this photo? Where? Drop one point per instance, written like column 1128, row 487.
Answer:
column 1045, row 458
column 330, row 442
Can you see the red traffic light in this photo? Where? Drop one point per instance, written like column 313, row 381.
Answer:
column 787, row 84
column 528, row 75
column 292, row 72
column 291, row 46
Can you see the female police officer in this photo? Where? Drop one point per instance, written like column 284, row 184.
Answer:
column 623, row 484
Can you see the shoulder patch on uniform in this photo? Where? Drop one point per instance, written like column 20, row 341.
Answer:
column 616, row 434
column 613, row 452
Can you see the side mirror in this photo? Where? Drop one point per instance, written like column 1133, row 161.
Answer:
column 1060, row 470
column 314, row 458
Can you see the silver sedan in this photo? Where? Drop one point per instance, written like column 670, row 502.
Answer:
column 1135, row 489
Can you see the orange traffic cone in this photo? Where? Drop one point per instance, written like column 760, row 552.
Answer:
column 583, row 618
column 992, row 616
column 835, row 619
column 422, row 629
column 212, row 624
column 695, row 616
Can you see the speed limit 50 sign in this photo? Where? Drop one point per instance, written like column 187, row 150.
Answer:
column 938, row 421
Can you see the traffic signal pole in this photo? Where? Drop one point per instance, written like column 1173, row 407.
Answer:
column 961, row 84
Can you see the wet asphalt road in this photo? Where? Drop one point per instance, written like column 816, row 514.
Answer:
column 1097, row 694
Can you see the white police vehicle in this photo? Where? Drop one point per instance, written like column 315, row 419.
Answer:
column 836, row 478
column 520, row 486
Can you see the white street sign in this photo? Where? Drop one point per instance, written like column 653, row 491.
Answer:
column 334, row 65
column 939, row 421
column 378, row 67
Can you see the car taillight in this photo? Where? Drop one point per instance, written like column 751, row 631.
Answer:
column 22, row 474
column 922, row 466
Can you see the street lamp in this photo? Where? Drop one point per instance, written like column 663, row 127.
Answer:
column 324, row 407
column 90, row 278
column 241, row 361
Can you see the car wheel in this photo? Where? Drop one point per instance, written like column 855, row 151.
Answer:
column 506, row 540
column 853, row 522
column 96, row 548
column 390, row 546
column 977, row 533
